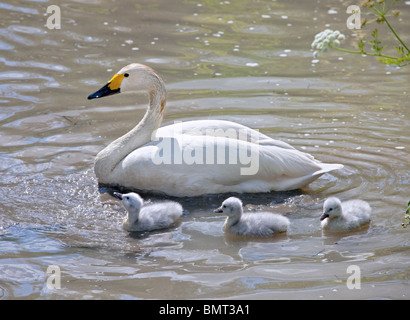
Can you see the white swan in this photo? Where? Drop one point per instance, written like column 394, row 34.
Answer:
column 151, row 217
column 349, row 215
column 255, row 224
column 196, row 157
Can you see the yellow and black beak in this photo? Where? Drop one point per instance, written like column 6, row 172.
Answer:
column 112, row 87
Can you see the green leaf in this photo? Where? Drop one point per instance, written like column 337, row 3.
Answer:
column 360, row 45
column 400, row 50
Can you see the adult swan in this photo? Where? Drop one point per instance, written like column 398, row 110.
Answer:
column 196, row 157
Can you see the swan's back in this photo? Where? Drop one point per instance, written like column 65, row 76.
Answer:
column 260, row 224
column 357, row 211
column 159, row 215
column 218, row 128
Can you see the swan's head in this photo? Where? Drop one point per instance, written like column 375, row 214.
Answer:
column 132, row 78
column 332, row 208
column 131, row 201
column 231, row 207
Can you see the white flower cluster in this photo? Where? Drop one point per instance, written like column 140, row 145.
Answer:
column 324, row 39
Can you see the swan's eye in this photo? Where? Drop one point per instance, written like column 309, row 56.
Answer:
column 224, row 206
column 330, row 209
column 128, row 198
column 126, row 75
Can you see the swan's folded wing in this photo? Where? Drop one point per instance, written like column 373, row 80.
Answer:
column 193, row 165
column 218, row 128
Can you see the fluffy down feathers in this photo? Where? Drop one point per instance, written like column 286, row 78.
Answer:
column 349, row 215
column 256, row 224
column 151, row 217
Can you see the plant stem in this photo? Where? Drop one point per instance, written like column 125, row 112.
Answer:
column 362, row 52
column 392, row 30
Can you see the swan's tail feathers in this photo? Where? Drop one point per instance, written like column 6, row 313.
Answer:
column 292, row 183
column 326, row 167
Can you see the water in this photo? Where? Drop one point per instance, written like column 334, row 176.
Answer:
column 248, row 62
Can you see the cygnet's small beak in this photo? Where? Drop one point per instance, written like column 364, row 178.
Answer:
column 118, row 195
column 324, row 216
column 219, row 210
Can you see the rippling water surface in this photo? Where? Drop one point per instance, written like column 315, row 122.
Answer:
column 244, row 61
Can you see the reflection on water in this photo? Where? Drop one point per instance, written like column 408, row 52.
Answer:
column 242, row 61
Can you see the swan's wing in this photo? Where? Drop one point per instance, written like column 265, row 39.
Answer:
column 218, row 128
column 191, row 165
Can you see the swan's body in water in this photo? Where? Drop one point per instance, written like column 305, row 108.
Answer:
column 196, row 157
column 255, row 224
column 349, row 215
column 151, row 217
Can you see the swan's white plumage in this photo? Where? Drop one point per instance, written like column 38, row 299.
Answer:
column 255, row 224
column 344, row 216
column 128, row 160
column 154, row 216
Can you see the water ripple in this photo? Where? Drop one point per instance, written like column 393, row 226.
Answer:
column 11, row 7
column 245, row 62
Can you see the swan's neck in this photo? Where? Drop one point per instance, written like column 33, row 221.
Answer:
column 130, row 221
column 132, row 218
column 108, row 159
column 231, row 221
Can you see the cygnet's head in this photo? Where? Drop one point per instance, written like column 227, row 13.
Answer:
column 332, row 208
column 231, row 207
column 131, row 201
column 134, row 77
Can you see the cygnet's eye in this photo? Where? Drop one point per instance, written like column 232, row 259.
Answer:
column 330, row 209
column 126, row 75
column 224, row 206
column 128, row 198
